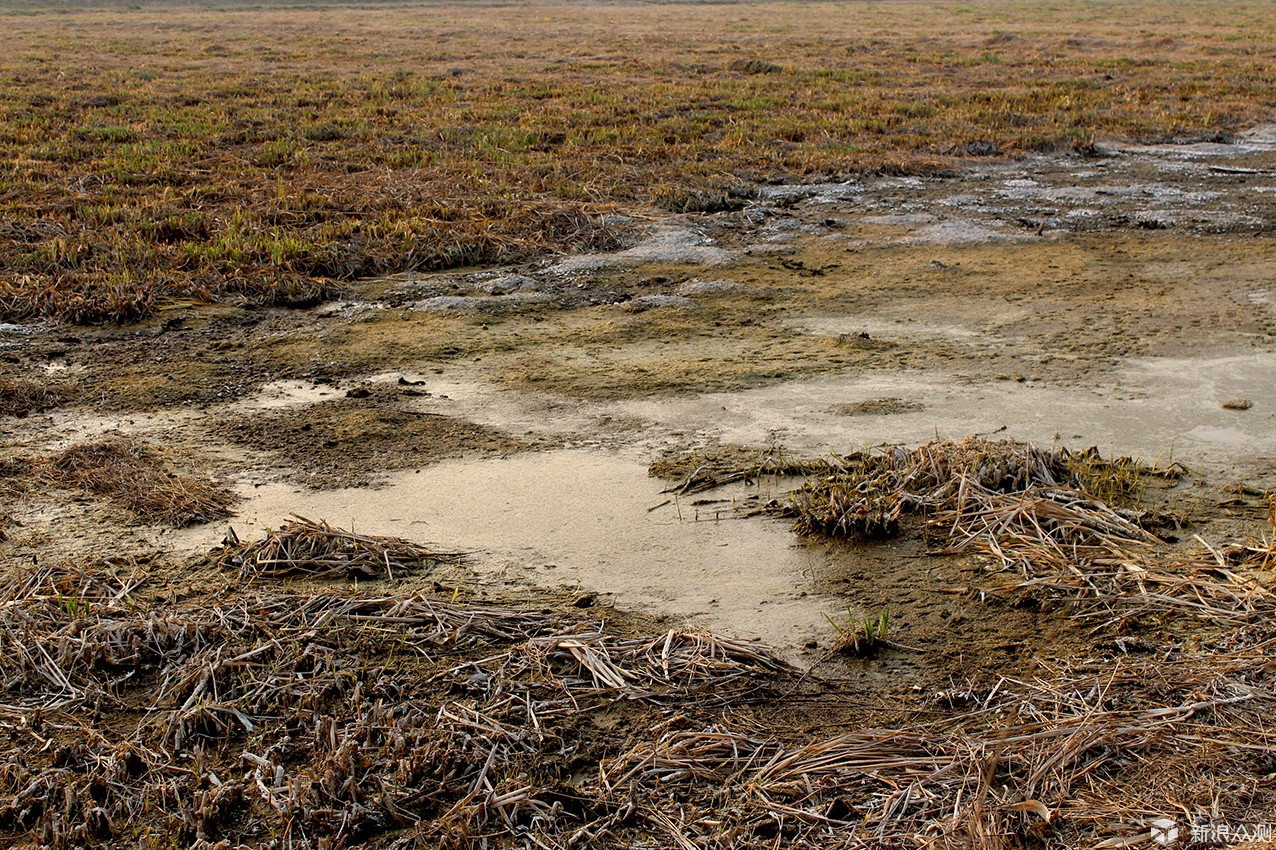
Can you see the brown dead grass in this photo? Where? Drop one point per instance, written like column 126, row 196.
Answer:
column 866, row 494
column 274, row 153
column 400, row 719
column 305, row 547
column 136, row 476
column 23, row 396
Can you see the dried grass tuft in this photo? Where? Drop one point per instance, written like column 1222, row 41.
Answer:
column 1258, row 553
column 305, row 547
column 136, row 476
column 1049, row 516
column 1075, row 549
column 868, row 493
column 23, row 396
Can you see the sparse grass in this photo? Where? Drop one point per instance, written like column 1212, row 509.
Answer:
column 861, row 637
column 273, row 153
column 1117, row 481
column 136, row 476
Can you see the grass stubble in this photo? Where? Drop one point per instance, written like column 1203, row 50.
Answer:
column 166, row 155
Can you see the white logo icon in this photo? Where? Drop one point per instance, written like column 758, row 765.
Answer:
column 1165, row 831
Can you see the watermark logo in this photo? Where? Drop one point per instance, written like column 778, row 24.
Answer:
column 1165, row 831
column 1223, row 834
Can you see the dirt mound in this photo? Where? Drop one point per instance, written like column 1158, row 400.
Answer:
column 349, row 441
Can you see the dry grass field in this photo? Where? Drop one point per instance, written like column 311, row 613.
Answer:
column 155, row 154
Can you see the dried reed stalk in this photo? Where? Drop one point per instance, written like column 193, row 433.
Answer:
column 869, row 492
column 305, row 547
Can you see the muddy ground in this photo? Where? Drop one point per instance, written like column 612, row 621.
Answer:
column 1116, row 300
column 1123, row 300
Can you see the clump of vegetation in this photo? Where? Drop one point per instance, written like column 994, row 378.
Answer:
column 1116, row 481
column 861, row 637
column 305, row 547
column 1042, row 514
column 137, row 477
column 23, row 396
column 868, row 493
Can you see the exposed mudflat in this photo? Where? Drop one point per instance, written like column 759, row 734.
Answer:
column 1123, row 300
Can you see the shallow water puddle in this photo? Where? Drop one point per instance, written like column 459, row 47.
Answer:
column 583, row 519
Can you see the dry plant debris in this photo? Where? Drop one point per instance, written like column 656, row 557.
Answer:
column 700, row 470
column 318, row 720
column 1115, row 578
column 306, row 547
column 136, row 476
column 868, row 493
column 22, row 396
column 1042, row 513
column 343, row 718
column 1074, row 759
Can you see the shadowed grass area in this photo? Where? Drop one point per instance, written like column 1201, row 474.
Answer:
column 181, row 153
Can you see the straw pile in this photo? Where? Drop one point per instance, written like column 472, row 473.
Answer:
column 868, row 493
column 305, row 547
column 137, row 477
column 344, row 718
column 1083, row 758
column 314, row 720
column 20, row 397
column 1115, row 579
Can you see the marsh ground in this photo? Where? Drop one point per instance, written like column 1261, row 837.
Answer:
column 523, row 266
